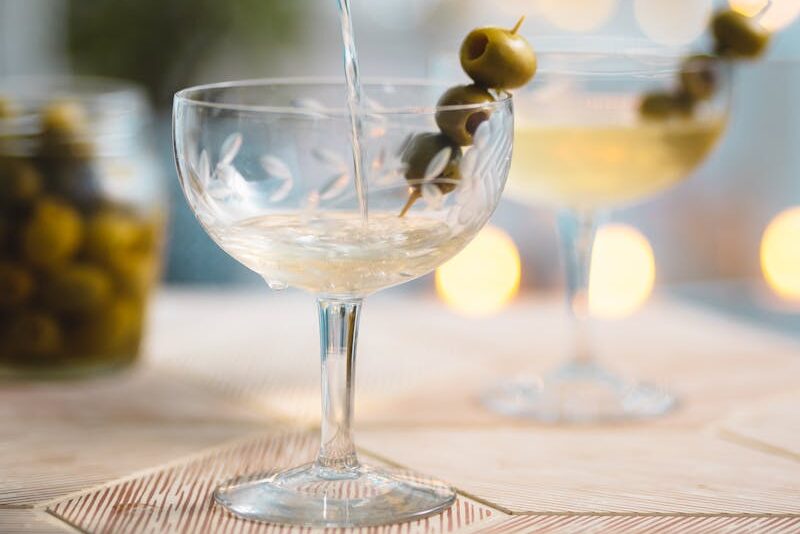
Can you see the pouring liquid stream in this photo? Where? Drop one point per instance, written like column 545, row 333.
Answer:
column 354, row 104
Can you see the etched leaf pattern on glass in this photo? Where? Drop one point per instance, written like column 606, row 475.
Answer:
column 220, row 193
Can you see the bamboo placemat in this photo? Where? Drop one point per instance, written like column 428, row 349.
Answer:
column 177, row 498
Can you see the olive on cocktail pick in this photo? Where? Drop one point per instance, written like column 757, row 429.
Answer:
column 658, row 105
column 460, row 125
column 683, row 103
column 737, row 35
column 661, row 105
column 421, row 155
column 699, row 76
column 497, row 58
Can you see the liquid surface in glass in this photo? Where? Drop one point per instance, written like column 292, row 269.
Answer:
column 336, row 254
column 597, row 165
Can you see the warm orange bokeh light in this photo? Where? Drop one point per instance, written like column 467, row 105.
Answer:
column 623, row 272
column 777, row 16
column 780, row 254
column 483, row 277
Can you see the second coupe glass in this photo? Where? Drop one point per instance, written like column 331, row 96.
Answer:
column 583, row 145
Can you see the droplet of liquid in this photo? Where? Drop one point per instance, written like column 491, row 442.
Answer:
column 277, row 285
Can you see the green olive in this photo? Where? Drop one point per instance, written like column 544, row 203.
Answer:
column 77, row 288
column 64, row 130
column 20, row 182
column 658, row 105
column 76, row 180
column 33, row 334
column 52, row 235
column 699, row 76
column 5, row 233
column 684, row 103
column 497, row 58
column 16, row 285
column 460, row 125
column 69, row 149
column 421, row 151
column 134, row 273
column 7, row 108
column 113, row 329
column 737, row 35
column 149, row 236
column 109, row 234
column 64, row 119
column 663, row 105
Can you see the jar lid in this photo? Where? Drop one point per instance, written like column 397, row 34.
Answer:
column 101, row 112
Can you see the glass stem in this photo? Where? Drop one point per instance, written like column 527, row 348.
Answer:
column 577, row 230
column 338, row 329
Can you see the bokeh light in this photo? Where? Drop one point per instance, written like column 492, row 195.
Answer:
column 399, row 14
column 623, row 272
column 778, row 15
column 673, row 22
column 483, row 277
column 780, row 254
column 576, row 15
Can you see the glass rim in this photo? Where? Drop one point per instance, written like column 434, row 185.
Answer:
column 183, row 96
column 640, row 58
column 72, row 86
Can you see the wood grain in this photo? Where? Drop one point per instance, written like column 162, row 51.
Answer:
column 420, row 364
column 58, row 438
column 32, row 522
column 178, row 498
column 772, row 426
column 600, row 470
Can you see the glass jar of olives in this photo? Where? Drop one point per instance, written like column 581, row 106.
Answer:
column 81, row 224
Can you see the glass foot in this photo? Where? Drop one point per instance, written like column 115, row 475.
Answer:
column 313, row 496
column 579, row 393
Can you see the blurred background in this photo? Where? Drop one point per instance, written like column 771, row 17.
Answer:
column 704, row 239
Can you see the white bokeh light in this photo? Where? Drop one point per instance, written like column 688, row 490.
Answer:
column 576, row 15
column 623, row 272
column 673, row 22
column 775, row 16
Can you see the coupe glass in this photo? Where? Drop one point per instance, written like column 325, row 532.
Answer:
column 583, row 146
column 266, row 166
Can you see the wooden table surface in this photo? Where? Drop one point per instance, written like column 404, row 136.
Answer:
column 229, row 384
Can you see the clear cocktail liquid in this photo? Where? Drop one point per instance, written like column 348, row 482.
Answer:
column 354, row 103
column 336, row 253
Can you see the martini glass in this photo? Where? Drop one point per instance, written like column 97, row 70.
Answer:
column 266, row 166
column 582, row 145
